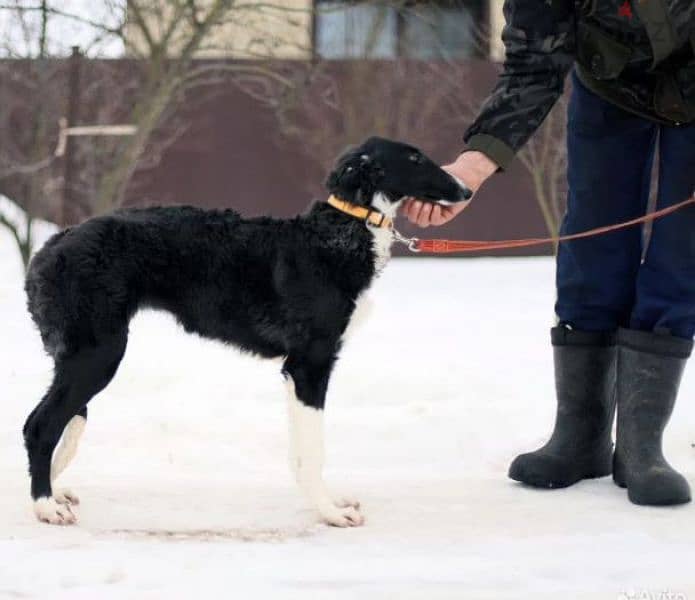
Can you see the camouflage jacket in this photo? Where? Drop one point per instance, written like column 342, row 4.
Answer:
column 639, row 55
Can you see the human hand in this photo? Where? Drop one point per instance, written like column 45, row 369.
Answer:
column 472, row 168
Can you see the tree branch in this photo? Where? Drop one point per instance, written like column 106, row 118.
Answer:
column 50, row 10
column 144, row 28
column 26, row 169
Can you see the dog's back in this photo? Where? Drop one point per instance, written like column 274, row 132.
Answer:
column 241, row 281
column 88, row 280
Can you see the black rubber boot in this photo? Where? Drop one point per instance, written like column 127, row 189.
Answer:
column 580, row 446
column 650, row 367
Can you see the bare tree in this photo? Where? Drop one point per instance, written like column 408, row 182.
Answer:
column 404, row 98
column 177, row 54
column 167, row 36
column 545, row 158
column 349, row 101
column 370, row 90
column 35, row 82
column 25, row 157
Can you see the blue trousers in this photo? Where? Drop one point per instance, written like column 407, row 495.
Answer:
column 612, row 281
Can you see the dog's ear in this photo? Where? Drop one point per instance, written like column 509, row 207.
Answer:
column 355, row 176
column 346, row 173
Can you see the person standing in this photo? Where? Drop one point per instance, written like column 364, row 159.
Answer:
column 625, row 314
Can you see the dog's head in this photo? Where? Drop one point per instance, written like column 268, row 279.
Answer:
column 392, row 171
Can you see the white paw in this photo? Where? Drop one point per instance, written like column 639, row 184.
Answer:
column 66, row 496
column 47, row 510
column 345, row 501
column 342, row 517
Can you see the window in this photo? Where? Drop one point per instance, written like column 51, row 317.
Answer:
column 344, row 30
column 438, row 29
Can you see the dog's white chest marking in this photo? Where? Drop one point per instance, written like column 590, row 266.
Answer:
column 363, row 308
column 383, row 237
column 381, row 244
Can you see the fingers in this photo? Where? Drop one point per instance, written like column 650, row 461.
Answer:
column 405, row 206
column 437, row 217
column 418, row 212
column 425, row 214
column 423, row 218
column 449, row 212
column 410, row 210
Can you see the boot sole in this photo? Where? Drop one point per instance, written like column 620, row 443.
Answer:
column 537, row 481
column 656, row 501
column 619, row 480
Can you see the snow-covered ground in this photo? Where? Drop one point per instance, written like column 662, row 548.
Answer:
column 185, row 490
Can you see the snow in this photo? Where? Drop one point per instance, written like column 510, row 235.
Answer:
column 185, row 489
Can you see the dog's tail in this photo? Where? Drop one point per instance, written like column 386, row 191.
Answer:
column 45, row 286
column 77, row 290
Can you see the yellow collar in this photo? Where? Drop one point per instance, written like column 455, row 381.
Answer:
column 361, row 212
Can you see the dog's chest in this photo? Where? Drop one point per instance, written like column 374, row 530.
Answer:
column 381, row 245
column 382, row 240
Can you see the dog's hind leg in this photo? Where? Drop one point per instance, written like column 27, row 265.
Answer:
column 78, row 378
column 307, row 375
column 64, row 454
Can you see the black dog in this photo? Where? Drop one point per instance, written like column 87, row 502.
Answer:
column 277, row 288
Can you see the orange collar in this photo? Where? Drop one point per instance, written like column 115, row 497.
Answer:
column 361, row 212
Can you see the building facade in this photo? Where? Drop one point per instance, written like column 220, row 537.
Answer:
column 336, row 29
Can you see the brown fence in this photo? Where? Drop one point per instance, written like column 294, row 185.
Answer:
column 234, row 151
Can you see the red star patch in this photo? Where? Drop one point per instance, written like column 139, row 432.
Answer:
column 625, row 10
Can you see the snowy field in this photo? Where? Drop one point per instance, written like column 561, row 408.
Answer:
column 186, row 493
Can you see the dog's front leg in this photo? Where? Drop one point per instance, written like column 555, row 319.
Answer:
column 306, row 389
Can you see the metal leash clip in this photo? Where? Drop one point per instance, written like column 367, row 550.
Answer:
column 410, row 242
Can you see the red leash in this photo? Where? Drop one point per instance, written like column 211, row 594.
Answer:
column 448, row 246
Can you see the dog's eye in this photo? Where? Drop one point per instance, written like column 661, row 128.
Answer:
column 416, row 158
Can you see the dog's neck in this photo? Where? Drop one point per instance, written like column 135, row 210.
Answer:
column 381, row 203
column 378, row 213
column 383, row 238
column 376, row 201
